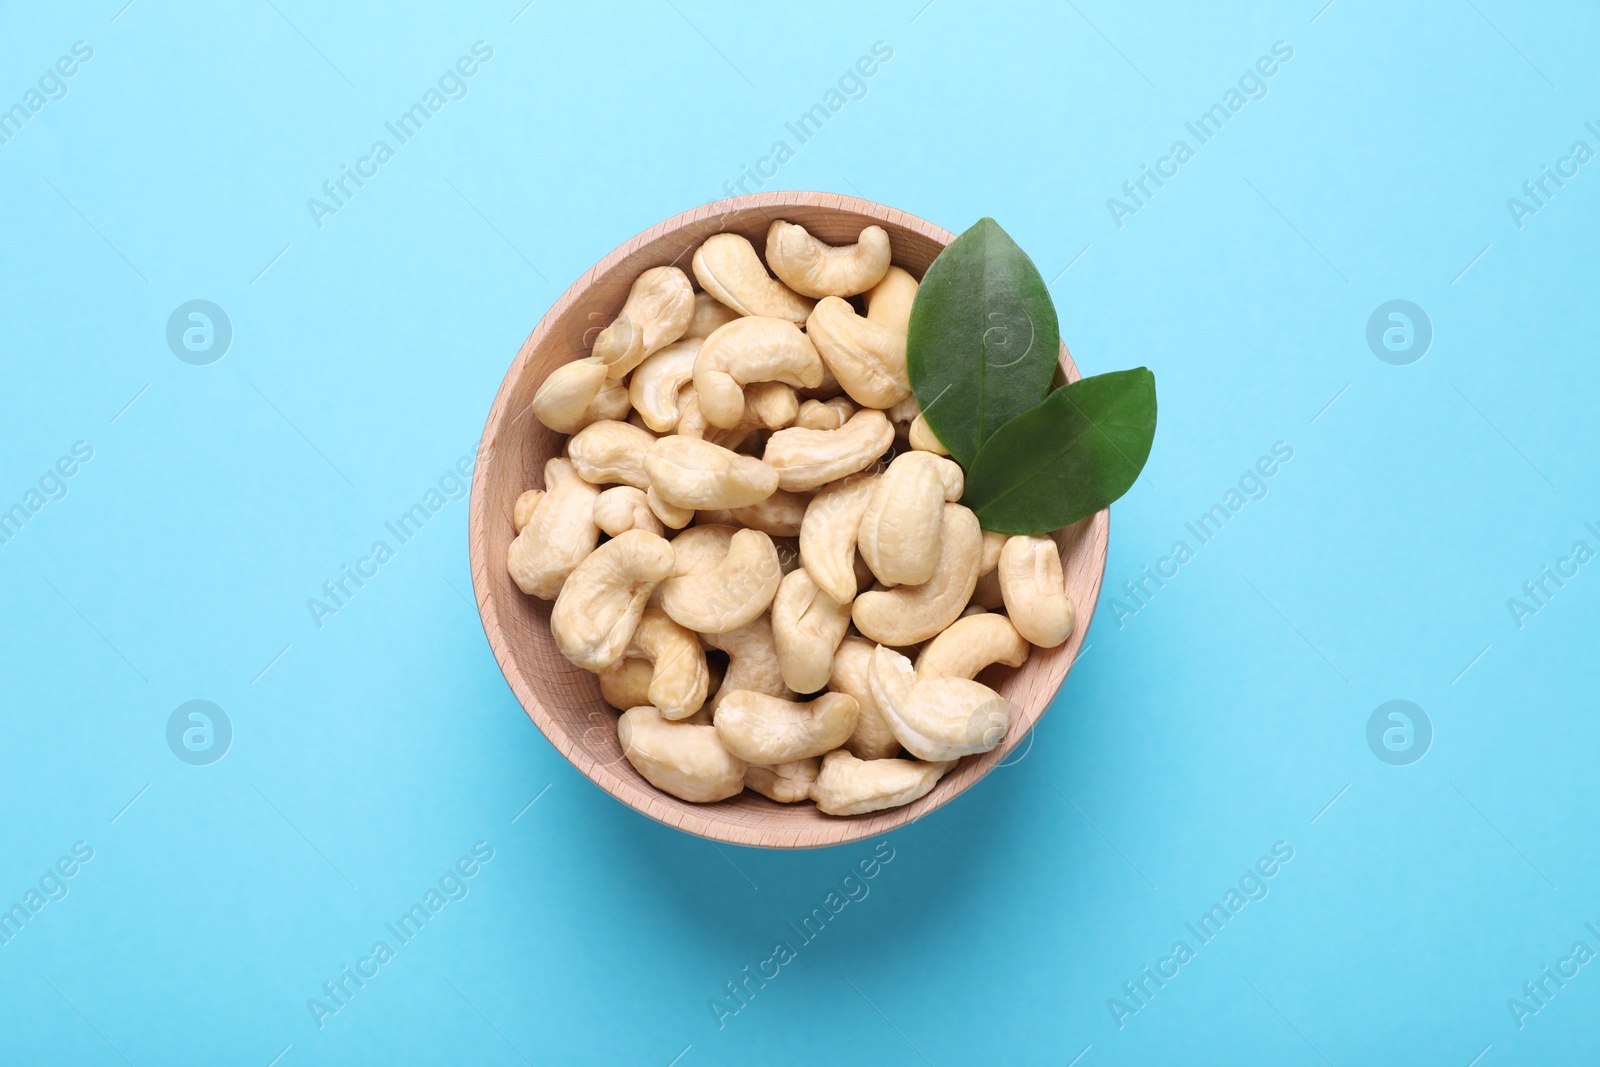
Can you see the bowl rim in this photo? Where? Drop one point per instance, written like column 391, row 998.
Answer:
column 710, row 821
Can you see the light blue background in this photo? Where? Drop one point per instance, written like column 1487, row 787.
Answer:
column 369, row 754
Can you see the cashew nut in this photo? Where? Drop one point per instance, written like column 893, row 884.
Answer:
column 868, row 358
column 701, row 547
column 657, row 311
column 850, row 786
column 951, row 475
column 844, row 406
column 729, row 269
column 679, row 758
column 730, row 591
column 578, row 393
column 558, row 535
column 767, row 731
column 656, row 386
column 687, row 472
column 809, row 266
column 770, row 404
column 923, row 439
column 709, row 313
column 756, row 349
column 611, row 452
column 602, row 600
column 1032, row 583
column 908, row 614
column 621, row 508
column 805, row 459
column 523, row 510
column 938, row 718
column 671, row 516
column 828, row 535
column 807, row 626
column 691, row 423
column 787, row 783
column 627, row 684
column 970, row 644
column 990, row 557
column 779, row 515
column 752, row 661
column 899, row 534
column 852, row 674
column 610, row 403
column 679, row 678
column 825, row 414
column 889, row 302
column 815, row 415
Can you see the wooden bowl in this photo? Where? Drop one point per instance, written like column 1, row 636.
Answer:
column 564, row 700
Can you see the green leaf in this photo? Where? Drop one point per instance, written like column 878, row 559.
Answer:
column 983, row 339
column 1068, row 457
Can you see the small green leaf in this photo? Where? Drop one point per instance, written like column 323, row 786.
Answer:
column 1068, row 457
column 983, row 339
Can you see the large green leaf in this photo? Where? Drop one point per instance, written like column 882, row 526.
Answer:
column 1070, row 456
column 983, row 339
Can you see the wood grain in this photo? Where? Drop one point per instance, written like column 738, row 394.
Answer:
column 563, row 700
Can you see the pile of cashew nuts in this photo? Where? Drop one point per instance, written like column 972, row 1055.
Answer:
column 748, row 473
